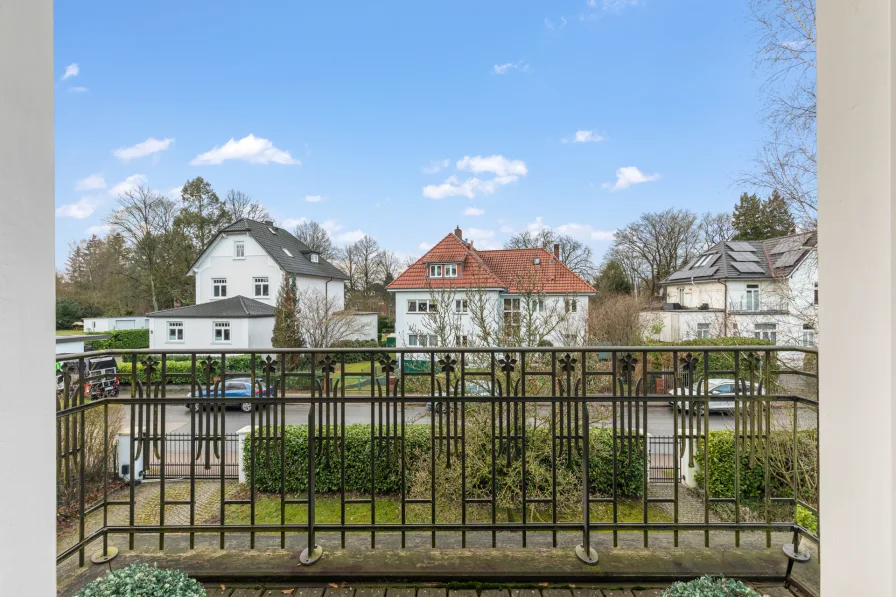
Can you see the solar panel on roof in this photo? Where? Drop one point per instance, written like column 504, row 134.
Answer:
column 700, row 272
column 789, row 258
column 789, row 244
column 747, row 267
column 743, row 256
column 739, row 245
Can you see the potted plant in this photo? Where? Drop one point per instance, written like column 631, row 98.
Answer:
column 142, row 580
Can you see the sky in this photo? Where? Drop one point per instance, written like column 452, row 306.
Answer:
column 404, row 119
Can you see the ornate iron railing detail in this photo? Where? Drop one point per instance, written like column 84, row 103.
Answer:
column 530, row 418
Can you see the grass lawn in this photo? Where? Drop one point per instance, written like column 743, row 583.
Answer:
column 70, row 332
column 388, row 510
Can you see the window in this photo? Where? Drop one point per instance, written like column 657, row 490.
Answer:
column 752, row 298
column 175, row 331
column 460, row 306
column 705, row 259
column 681, row 296
column 315, row 258
column 239, row 250
column 765, row 331
column 816, row 293
column 219, row 287
column 512, row 312
column 435, row 271
column 702, row 330
column 286, row 251
column 222, row 331
column 451, row 270
column 272, row 230
column 415, row 306
column 460, row 340
column 537, row 305
column 422, row 340
column 808, row 335
column 571, row 305
column 262, row 288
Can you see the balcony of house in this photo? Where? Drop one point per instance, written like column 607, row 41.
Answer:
column 758, row 306
column 636, row 465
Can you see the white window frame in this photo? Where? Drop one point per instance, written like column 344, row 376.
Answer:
column 572, row 305
column 450, row 270
column 461, row 306
column 809, row 337
column 766, row 331
column 752, row 296
column 436, row 270
column 225, row 328
column 429, row 306
column 176, row 326
column 264, row 282
column 219, row 288
column 315, row 258
column 512, row 316
column 702, row 331
column 461, row 340
column 681, row 296
column 423, row 340
column 239, row 249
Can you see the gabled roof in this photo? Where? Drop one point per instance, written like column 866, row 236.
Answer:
column 297, row 261
column 748, row 260
column 235, row 306
column 506, row 269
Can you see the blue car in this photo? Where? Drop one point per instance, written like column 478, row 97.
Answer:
column 235, row 388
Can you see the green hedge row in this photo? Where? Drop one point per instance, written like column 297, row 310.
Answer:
column 361, row 357
column 178, row 371
column 358, row 445
column 122, row 340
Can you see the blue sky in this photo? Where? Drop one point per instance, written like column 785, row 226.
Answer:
column 406, row 118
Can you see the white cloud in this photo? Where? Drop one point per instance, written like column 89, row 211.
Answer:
column 78, row 89
column 314, row 198
column 71, row 71
column 554, row 26
column 174, row 192
column 290, row 223
column 584, row 137
column 92, row 182
column 351, row 236
column 474, row 211
column 537, row 225
column 627, row 176
column 148, row 147
column 250, row 148
column 128, row 184
column 495, row 164
column 506, row 228
column 612, row 5
column 436, row 165
column 101, row 230
column 585, row 232
column 478, row 233
column 505, row 171
column 83, row 208
column 503, row 69
column 425, row 246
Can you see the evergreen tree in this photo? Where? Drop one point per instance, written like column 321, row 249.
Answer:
column 613, row 279
column 202, row 213
column 757, row 219
column 286, row 320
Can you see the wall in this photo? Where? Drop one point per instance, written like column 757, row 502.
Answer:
column 69, row 346
column 261, row 331
column 198, row 334
column 371, row 327
column 104, row 324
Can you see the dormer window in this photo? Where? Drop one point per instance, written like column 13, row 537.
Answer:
column 315, row 258
column 451, row 270
column 239, row 250
column 443, row 270
column 435, row 271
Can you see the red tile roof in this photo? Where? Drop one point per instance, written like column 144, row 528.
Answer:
column 513, row 269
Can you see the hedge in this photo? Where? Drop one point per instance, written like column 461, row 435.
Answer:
column 235, row 365
column 356, row 357
column 122, row 339
column 630, row 476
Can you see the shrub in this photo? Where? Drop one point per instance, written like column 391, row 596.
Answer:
column 807, row 520
column 123, row 340
column 141, row 580
column 358, row 357
column 179, row 367
column 708, row 586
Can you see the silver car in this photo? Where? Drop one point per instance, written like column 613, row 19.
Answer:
column 718, row 388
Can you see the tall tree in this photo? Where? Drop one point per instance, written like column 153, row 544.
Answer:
column 757, row 219
column 202, row 213
column 716, row 228
column 316, row 238
column 366, row 253
column 613, row 278
column 574, row 253
column 239, row 205
column 286, row 321
column 787, row 160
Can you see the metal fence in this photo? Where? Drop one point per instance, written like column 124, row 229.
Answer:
column 180, row 454
column 559, row 436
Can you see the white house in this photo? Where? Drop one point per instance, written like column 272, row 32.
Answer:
column 238, row 276
column 75, row 344
column 761, row 289
column 497, row 284
column 106, row 324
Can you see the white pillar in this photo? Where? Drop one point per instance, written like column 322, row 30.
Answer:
column 124, row 459
column 857, row 257
column 241, row 434
column 27, row 247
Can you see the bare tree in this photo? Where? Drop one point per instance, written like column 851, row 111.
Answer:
column 323, row 322
column 367, row 260
column 574, row 253
column 715, row 228
column 787, row 161
column 239, row 205
column 143, row 218
column 615, row 320
column 390, row 265
column 443, row 321
column 316, row 238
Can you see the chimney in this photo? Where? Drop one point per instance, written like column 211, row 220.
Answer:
column 557, row 251
column 458, row 232
column 269, row 222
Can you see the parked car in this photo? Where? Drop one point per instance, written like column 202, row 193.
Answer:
column 473, row 388
column 718, row 388
column 101, row 377
column 235, row 388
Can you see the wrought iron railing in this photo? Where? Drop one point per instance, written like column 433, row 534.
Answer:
column 564, row 432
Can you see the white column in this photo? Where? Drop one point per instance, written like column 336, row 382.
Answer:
column 241, row 434
column 124, row 459
column 856, row 307
column 27, row 414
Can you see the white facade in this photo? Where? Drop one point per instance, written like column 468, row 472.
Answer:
column 105, row 324
column 203, row 334
column 236, row 265
column 781, row 310
column 411, row 326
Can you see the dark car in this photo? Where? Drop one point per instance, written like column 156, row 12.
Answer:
column 236, row 388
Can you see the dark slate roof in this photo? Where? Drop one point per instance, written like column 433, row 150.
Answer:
column 748, row 260
column 298, row 261
column 235, row 306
